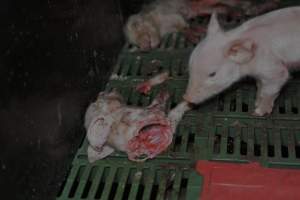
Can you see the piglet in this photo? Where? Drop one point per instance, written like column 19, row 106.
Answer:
column 146, row 28
column 265, row 48
column 142, row 133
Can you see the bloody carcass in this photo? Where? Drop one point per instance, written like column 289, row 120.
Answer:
column 111, row 125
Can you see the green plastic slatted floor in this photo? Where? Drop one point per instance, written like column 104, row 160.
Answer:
column 220, row 129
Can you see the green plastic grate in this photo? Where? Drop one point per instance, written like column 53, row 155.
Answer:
column 222, row 130
column 274, row 142
column 239, row 100
column 140, row 65
column 115, row 179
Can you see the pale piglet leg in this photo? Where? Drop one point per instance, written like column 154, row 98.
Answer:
column 258, row 93
column 94, row 155
column 265, row 105
column 268, row 92
column 177, row 113
column 146, row 86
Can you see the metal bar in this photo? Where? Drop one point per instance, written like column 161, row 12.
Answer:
column 162, row 186
column 184, row 139
column 176, row 185
column 149, row 181
column 70, row 181
column 122, row 183
column 135, row 184
column 95, row 183
column 108, row 183
column 250, row 142
column 82, row 182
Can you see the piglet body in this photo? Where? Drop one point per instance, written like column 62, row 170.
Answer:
column 111, row 125
column 265, row 48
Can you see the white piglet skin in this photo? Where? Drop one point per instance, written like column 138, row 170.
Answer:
column 266, row 48
column 141, row 132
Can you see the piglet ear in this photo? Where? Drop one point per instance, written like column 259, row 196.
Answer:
column 135, row 22
column 214, row 26
column 99, row 130
column 241, row 51
column 94, row 155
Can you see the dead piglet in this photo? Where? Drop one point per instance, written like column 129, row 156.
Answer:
column 155, row 20
column 111, row 125
column 147, row 28
column 265, row 48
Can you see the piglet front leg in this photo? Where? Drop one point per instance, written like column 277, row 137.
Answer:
column 258, row 93
column 268, row 90
column 177, row 113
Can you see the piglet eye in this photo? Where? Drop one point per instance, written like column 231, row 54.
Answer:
column 212, row 74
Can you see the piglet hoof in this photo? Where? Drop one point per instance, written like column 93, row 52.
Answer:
column 257, row 114
column 260, row 113
column 144, row 88
column 257, row 102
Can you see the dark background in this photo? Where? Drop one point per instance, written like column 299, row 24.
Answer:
column 55, row 55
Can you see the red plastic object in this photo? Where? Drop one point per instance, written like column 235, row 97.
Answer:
column 227, row 181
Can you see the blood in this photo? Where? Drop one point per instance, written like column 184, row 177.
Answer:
column 144, row 88
column 150, row 141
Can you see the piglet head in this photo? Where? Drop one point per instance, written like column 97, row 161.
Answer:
column 98, row 122
column 217, row 62
column 110, row 101
column 141, row 32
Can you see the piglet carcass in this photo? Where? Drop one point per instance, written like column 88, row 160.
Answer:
column 142, row 133
column 265, row 48
column 161, row 17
